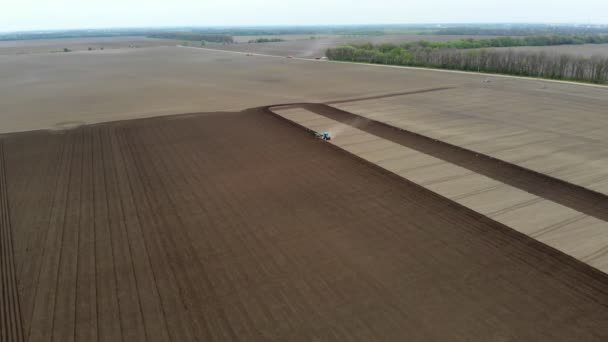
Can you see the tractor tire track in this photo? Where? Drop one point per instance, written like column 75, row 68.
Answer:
column 108, row 315
column 43, row 298
column 154, row 305
column 11, row 328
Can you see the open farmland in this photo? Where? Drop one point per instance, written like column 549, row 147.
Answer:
column 65, row 89
column 155, row 229
column 20, row 47
column 562, row 135
column 62, row 90
column 231, row 223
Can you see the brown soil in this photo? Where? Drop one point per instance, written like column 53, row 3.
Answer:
column 239, row 226
column 10, row 316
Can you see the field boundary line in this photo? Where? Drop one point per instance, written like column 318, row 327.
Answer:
column 11, row 325
column 376, row 97
column 559, row 191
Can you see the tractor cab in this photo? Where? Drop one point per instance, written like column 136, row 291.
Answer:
column 324, row 135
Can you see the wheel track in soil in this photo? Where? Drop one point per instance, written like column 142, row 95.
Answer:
column 180, row 326
column 154, row 314
column 64, row 303
column 11, row 326
column 203, row 291
column 30, row 273
column 109, row 316
column 133, row 295
column 31, row 225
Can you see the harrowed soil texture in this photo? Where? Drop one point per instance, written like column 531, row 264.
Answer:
column 241, row 226
column 576, row 197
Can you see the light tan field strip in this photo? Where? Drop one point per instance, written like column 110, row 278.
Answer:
column 560, row 137
column 570, row 231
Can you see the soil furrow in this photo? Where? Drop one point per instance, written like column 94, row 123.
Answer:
column 168, row 174
column 174, row 282
column 33, row 225
column 139, row 227
column 108, row 315
column 66, row 283
column 11, row 328
column 44, row 297
column 86, row 305
column 135, row 291
column 32, row 262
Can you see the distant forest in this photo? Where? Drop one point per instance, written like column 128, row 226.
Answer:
column 212, row 38
column 457, row 55
column 342, row 30
column 266, row 40
column 354, row 30
column 512, row 42
column 31, row 35
column 522, row 30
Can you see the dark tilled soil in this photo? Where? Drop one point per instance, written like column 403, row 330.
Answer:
column 240, row 226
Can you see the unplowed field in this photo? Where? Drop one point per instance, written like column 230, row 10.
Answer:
column 240, row 226
column 41, row 46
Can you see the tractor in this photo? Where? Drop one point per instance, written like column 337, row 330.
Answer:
column 323, row 135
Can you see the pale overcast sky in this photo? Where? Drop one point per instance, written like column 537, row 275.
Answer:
column 61, row 14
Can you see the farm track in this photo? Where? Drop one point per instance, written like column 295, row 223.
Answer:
column 240, row 226
column 576, row 197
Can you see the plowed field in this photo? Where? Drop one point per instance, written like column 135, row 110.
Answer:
column 240, row 226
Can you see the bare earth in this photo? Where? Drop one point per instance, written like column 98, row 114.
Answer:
column 233, row 224
column 21, row 47
column 239, row 226
column 47, row 90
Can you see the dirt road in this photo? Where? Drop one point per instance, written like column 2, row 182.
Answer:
column 240, row 226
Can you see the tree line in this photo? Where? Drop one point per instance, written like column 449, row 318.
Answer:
column 546, row 40
column 212, row 38
column 266, row 40
column 562, row 67
column 521, row 30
